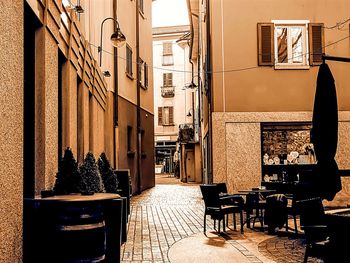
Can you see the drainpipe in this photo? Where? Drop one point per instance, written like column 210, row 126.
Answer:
column 138, row 116
column 116, row 87
column 210, row 99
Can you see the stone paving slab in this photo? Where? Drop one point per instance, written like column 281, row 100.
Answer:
column 162, row 218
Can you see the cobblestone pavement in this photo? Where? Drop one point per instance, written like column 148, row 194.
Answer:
column 285, row 250
column 159, row 217
column 166, row 214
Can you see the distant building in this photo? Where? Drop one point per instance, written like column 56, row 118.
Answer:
column 174, row 97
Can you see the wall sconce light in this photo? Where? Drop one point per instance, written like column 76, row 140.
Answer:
column 106, row 73
column 117, row 38
column 77, row 8
column 189, row 114
column 192, row 85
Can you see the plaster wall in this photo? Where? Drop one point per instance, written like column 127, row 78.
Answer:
column 11, row 130
column 265, row 89
column 147, row 98
column 126, row 13
column 237, row 145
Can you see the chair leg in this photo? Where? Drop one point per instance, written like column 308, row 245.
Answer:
column 219, row 227
column 223, row 224
column 234, row 221
column 215, row 224
column 241, row 218
column 205, row 222
column 295, row 224
column 306, row 253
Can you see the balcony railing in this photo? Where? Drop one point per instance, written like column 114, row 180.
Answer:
column 168, row 92
column 186, row 133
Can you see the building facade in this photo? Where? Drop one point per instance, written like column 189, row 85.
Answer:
column 174, row 104
column 260, row 68
column 58, row 91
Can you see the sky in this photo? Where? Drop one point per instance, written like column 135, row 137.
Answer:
column 169, row 13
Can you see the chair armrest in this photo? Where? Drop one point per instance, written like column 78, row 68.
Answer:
column 232, row 200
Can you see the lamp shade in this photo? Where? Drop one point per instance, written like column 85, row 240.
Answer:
column 117, row 38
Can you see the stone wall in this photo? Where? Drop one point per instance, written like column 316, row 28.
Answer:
column 11, row 130
column 237, row 145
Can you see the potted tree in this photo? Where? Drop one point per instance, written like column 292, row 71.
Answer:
column 108, row 175
column 67, row 177
column 90, row 179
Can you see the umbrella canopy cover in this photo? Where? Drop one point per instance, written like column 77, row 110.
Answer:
column 324, row 134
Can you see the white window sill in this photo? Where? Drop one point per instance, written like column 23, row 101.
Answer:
column 292, row 67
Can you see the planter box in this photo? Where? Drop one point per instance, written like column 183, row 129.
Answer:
column 73, row 227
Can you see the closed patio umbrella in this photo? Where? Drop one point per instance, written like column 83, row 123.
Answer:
column 324, row 135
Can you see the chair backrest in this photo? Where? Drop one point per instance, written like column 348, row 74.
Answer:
column 311, row 211
column 210, row 193
column 222, row 187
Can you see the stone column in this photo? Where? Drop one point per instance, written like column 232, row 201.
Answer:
column 11, row 130
column 46, row 110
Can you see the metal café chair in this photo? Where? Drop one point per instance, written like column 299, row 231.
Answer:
column 216, row 209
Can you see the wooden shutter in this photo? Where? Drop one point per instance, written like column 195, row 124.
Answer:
column 167, row 79
column 145, row 75
column 171, row 115
column 316, row 43
column 160, row 116
column 167, row 48
column 128, row 60
column 265, row 44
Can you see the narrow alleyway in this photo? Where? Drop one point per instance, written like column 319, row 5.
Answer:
column 160, row 217
column 166, row 225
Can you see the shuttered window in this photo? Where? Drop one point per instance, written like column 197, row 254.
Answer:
column 167, row 48
column 316, row 43
column 168, row 59
column 265, row 44
column 165, row 116
column 160, row 116
column 286, row 44
column 128, row 60
column 167, row 79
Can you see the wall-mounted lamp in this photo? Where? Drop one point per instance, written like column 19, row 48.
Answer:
column 77, row 8
column 106, row 73
column 189, row 114
column 192, row 85
column 117, row 38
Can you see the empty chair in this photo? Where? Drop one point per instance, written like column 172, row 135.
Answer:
column 312, row 221
column 216, row 209
column 229, row 199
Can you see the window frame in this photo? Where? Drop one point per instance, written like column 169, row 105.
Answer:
column 128, row 62
column 168, row 79
column 162, row 116
column 167, row 53
column 289, row 24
